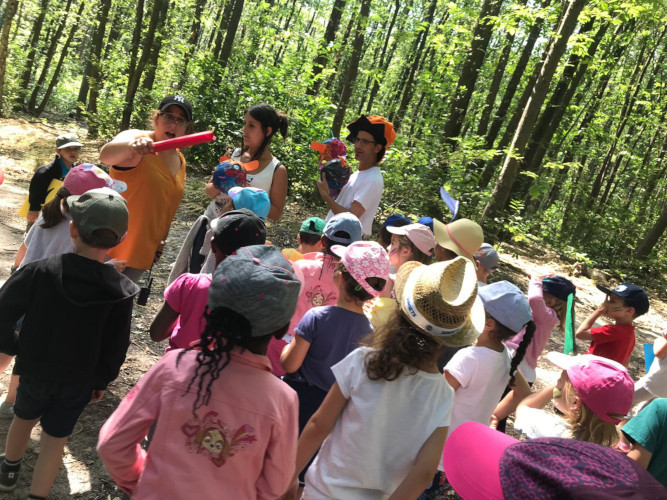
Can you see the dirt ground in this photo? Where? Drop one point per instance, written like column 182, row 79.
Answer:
column 24, row 145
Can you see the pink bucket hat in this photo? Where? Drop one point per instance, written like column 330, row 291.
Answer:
column 602, row 384
column 364, row 259
column 419, row 234
column 88, row 176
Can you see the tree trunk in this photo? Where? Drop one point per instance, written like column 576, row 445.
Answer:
column 222, row 28
column 135, row 76
column 514, row 80
column 353, row 67
column 385, row 58
column 193, row 40
column 10, row 12
column 407, row 88
column 232, row 27
column 152, row 62
column 512, row 164
column 323, row 51
column 24, row 79
column 630, row 99
column 653, row 235
column 63, row 54
column 470, row 70
column 92, row 71
column 48, row 57
column 496, row 81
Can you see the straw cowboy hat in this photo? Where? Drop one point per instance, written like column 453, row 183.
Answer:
column 441, row 300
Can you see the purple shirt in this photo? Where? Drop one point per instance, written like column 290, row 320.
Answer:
column 333, row 333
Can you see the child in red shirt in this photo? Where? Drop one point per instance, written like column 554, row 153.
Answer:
column 623, row 304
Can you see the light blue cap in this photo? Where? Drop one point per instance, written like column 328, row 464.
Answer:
column 254, row 199
column 506, row 304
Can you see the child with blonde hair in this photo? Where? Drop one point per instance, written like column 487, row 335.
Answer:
column 592, row 393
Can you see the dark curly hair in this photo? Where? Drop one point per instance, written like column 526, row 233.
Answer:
column 503, row 333
column 399, row 346
column 225, row 330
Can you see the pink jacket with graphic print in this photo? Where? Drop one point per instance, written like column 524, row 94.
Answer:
column 317, row 289
column 241, row 445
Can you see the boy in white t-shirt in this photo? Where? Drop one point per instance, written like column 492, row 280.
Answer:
column 361, row 195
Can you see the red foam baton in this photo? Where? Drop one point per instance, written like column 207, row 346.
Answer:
column 184, row 141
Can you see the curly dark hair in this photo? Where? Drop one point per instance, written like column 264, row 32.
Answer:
column 225, row 330
column 398, row 346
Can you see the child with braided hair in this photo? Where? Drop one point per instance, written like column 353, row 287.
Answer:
column 479, row 373
column 225, row 425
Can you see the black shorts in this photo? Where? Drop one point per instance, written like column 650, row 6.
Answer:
column 56, row 404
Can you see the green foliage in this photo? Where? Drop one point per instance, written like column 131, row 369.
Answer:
column 604, row 141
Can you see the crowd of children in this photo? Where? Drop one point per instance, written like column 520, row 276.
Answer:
column 341, row 368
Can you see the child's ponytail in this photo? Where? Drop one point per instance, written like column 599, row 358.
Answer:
column 521, row 350
column 51, row 212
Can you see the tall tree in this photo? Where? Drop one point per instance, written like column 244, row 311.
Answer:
column 24, row 79
column 470, row 70
column 135, row 76
column 92, row 70
column 193, row 40
column 353, row 66
column 512, row 165
column 652, row 236
column 421, row 43
column 48, row 58
column 56, row 72
column 10, row 12
column 327, row 40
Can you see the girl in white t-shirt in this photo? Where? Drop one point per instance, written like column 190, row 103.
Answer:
column 480, row 373
column 384, row 422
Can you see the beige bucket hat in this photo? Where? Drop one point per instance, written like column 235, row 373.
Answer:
column 441, row 300
column 463, row 236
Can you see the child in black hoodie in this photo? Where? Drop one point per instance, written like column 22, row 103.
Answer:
column 74, row 336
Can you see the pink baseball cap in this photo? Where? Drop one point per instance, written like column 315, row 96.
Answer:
column 364, row 259
column 87, row 176
column 603, row 385
column 419, row 234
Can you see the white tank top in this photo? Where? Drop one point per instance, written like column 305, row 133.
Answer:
column 264, row 179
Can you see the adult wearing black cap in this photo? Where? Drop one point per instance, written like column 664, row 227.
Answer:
column 155, row 182
column 371, row 136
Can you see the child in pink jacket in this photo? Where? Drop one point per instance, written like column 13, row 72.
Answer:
column 226, row 427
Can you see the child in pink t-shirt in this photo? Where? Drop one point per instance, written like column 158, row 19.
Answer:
column 181, row 317
column 315, row 272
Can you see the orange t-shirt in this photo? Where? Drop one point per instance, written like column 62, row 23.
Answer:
column 153, row 196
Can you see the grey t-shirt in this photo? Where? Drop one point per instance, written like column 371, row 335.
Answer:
column 45, row 242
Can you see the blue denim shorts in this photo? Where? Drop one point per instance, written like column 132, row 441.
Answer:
column 56, row 404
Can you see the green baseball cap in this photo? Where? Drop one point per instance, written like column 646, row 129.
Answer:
column 313, row 225
column 100, row 208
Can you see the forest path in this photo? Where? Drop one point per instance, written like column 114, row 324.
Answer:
column 24, row 145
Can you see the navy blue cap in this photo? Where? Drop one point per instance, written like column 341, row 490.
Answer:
column 558, row 286
column 427, row 221
column 633, row 295
column 394, row 218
